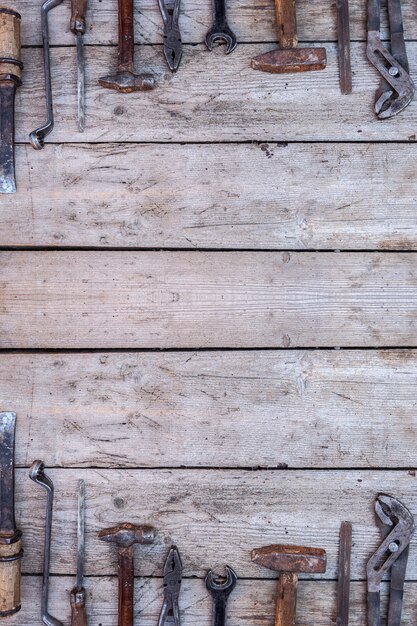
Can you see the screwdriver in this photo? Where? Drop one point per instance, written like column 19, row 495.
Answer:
column 78, row 27
column 78, row 594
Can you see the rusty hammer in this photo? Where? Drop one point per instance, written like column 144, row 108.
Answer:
column 125, row 80
column 124, row 536
column 289, row 561
column 288, row 57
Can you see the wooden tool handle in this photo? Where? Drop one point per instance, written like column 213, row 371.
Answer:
column 78, row 607
column 126, row 584
column 287, row 599
column 78, row 16
column 286, row 23
column 10, row 560
column 10, row 54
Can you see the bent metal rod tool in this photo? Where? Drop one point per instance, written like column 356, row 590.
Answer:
column 37, row 137
column 37, row 474
column 78, row 594
column 397, row 89
column 289, row 58
column 10, row 537
column 397, row 528
column 343, row 582
column 78, row 27
column 221, row 592
column 220, row 31
column 170, row 11
column 125, row 536
column 343, row 36
column 289, row 561
column 125, row 80
column 170, row 612
column 10, row 78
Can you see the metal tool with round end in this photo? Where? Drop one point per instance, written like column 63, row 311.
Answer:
column 221, row 592
column 220, row 31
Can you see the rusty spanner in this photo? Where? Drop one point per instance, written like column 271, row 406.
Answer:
column 220, row 31
column 397, row 528
column 221, row 592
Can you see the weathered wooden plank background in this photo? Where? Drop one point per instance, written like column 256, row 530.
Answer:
column 173, row 284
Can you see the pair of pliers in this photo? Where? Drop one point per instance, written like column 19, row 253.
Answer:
column 170, row 11
column 397, row 528
column 397, row 89
column 172, row 584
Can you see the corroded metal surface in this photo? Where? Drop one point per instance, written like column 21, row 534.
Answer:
column 283, row 558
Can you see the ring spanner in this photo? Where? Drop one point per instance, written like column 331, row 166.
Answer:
column 397, row 528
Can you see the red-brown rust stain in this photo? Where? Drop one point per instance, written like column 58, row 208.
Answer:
column 397, row 357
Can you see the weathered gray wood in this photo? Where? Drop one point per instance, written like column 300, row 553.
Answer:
column 251, row 602
column 214, row 516
column 245, row 409
column 200, row 299
column 251, row 21
column 219, row 196
column 212, row 98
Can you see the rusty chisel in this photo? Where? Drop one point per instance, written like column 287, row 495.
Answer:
column 10, row 78
column 10, row 538
column 78, row 594
column 78, row 27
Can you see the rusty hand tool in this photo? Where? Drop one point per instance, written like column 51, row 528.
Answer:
column 78, row 27
column 220, row 31
column 289, row 561
column 125, row 536
column 221, row 592
column 397, row 528
column 172, row 583
column 10, row 537
column 78, row 594
column 343, row 33
column 10, row 78
column 343, row 584
column 170, row 11
column 125, row 80
column 37, row 474
column 289, row 58
column 397, row 89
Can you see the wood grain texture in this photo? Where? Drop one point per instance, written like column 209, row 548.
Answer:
column 214, row 196
column 214, row 516
column 251, row 602
column 212, row 99
column 250, row 21
column 218, row 409
column 202, row 299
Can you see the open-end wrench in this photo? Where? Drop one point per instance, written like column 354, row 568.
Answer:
column 220, row 29
column 37, row 474
column 37, row 137
column 221, row 592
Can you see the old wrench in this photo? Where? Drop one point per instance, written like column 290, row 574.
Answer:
column 172, row 584
column 221, row 592
column 37, row 137
column 37, row 474
column 397, row 89
column 170, row 11
column 220, row 29
column 397, row 528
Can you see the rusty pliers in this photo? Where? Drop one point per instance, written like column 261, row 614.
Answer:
column 172, row 584
column 397, row 528
column 170, row 11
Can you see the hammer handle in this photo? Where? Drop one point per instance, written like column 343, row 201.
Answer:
column 286, row 23
column 126, row 586
column 11, row 63
column 287, row 599
column 78, row 607
column 126, row 35
column 78, row 16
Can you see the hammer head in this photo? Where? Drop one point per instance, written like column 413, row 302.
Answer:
column 127, row 82
column 125, row 535
column 282, row 61
column 296, row 559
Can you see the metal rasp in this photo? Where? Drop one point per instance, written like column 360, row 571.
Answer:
column 10, row 538
column 10, row 78
column 78, row 27
column 78, row 594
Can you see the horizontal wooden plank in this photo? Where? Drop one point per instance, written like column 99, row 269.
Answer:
column 250, row 602
column 251, row 21
column 214, row 516
column 230, row 409
column 212, row 98
column 214, row 196
column 207, row 299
